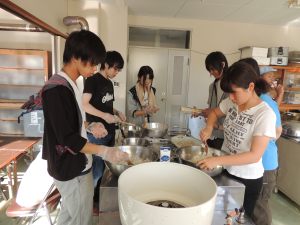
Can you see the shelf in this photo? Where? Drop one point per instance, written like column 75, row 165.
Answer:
column 9, row 119
column 289, row 68
column 287, row 107
column 23, row 72
column 13, row 100
column 11, row 105
column 22, row 85
column 287, row 89
column 19, row 68
column 11, row 134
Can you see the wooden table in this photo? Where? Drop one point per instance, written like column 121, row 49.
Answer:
column 11, row 149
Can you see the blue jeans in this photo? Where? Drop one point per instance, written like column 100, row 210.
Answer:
column 98, row 163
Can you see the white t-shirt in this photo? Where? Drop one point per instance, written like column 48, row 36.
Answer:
column 239, row 130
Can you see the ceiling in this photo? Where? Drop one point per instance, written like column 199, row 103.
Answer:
column 268, row 12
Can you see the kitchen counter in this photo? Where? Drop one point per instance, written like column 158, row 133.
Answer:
column 230, row 195
column 288, row 172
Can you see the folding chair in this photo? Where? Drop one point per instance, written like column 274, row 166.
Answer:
column 1, row 190
column 30, row 214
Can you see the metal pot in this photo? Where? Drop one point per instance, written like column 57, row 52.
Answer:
column 130, row 130
column 287, row 116
column 192, row 154
column 291, row 128
column 135, row 141
column 137, row 155
column 175, row 130
column 155, row 130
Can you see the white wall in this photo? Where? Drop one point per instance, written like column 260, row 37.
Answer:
column 114, row 32
column 109, row 21
column 25, row 40
column 49, row 11
column 22, row 40
column 208, row 36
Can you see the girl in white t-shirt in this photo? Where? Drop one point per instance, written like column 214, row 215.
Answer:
column 248, row 127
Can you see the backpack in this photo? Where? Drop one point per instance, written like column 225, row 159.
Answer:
column 33, row 108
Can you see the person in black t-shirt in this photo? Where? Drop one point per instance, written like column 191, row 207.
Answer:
column 98, row 97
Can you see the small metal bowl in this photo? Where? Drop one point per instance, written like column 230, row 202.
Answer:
column 192, row 154
column 135, row 141
column 155, row 130
column 137, row 155
column 130, row 130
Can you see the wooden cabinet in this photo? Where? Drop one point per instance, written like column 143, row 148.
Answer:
column 22, row 74
column 289, row 76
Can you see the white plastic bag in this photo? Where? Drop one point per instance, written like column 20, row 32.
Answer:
column 35, row 183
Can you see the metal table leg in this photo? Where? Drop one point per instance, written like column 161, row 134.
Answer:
column 9, row 169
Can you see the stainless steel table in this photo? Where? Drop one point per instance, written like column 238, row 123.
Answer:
column 230, row 193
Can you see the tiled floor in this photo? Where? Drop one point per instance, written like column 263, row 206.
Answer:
column 285, row 212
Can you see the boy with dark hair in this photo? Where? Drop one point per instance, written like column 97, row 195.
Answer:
column 98, row 98
column 65, row 146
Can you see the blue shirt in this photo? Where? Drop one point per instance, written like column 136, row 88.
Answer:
column 270, row 156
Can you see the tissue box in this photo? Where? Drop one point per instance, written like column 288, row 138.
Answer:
column 253, row 51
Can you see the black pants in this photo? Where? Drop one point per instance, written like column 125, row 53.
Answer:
column 215, row 143
column 252, row 191
column 262, row 212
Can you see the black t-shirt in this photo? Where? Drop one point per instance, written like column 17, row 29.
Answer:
column 102, row 91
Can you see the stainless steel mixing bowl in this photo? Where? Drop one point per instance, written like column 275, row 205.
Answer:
column 137, row 155
column 192, row 154
column 135, row 141
column 155, row 130
column 130, row 130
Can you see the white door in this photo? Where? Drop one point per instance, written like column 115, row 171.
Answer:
column 170, row 69
column 177, row 87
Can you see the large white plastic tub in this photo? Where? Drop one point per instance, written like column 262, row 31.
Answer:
column 147, row 182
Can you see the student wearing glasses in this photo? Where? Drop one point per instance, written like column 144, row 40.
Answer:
column 98, row 98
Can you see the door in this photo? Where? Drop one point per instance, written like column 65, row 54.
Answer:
column 170, row 69
column 157, row 59
column 177, row 87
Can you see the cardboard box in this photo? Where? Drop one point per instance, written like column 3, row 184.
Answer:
column 34, row 124
column 263, row 61
column 253, row 51
column 279, row 61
